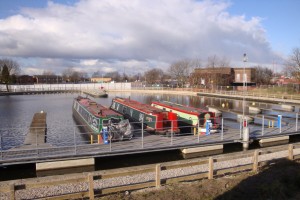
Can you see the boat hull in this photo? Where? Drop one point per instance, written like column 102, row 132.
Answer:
column 153, row 120
column 96, row 118
column 189, row 117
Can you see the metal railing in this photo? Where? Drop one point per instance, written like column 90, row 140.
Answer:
column 76, row 142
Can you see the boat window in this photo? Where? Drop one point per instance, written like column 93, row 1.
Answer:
column 105, row 122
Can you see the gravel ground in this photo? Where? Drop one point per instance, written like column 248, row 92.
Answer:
column 138, row 178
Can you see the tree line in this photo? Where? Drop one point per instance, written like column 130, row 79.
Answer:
column 178, row 74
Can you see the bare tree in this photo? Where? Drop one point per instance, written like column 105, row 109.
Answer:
column 212, row 61
column 71, row 75
column 9, row 69
column 13, row 66
column 215, row 61
column 180, row 71
column 293, row 64
column 263, row 75
column 194, row 78
column 115, row 76
column 153, row 76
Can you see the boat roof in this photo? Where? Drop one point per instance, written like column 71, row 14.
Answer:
column 179, row 107
column 96, row 109
column 138, row 105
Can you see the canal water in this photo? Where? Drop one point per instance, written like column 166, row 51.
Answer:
column 16, row 113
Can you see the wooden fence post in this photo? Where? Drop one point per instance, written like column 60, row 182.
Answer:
column 210, row 168
column 255, row 161
column 91, row 186
column 291, row 152
column 12, row 191
column 157, row 176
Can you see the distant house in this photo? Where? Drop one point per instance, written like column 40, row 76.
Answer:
column 100, row 80
column 223, row 76
column 286, row 80
column 47, row 79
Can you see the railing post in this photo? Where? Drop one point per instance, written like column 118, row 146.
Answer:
column 157, row 175
column 36, row 142
column 12, row 191
column 198, row 131
column 263, row 125
column 142, row 133
column 222, row 130
column 91, row 186
column 210, row 168
column 291, row 152
column 1, row 147
column 171, row 132
column 296, row 121
column 255, row 161
column 241, row 121
column 110, row 141
column 75, row 146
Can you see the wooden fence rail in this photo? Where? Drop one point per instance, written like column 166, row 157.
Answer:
column 14, row 190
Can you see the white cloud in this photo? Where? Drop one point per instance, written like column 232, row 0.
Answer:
column 132, row 34
column 89, row 62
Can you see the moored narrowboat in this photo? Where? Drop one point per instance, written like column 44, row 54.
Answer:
column 100, row 120
column 153, row 119
column 189, row 116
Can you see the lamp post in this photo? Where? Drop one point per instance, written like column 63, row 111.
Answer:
column 244, row 83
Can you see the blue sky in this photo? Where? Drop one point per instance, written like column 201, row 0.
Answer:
column 279, row 19
column 137, row 35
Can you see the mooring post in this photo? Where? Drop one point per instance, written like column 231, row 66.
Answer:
column 142, row 132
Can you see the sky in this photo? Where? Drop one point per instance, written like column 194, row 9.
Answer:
column 134, row 36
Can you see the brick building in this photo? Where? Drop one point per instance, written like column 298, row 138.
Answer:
column 223, row 76
column 48, row 79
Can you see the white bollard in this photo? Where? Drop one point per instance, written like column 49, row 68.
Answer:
column 246, row 138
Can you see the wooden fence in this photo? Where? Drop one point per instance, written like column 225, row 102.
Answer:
column 15, row 188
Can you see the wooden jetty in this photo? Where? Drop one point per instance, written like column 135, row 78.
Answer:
column 37, row 131
column 96, row 93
